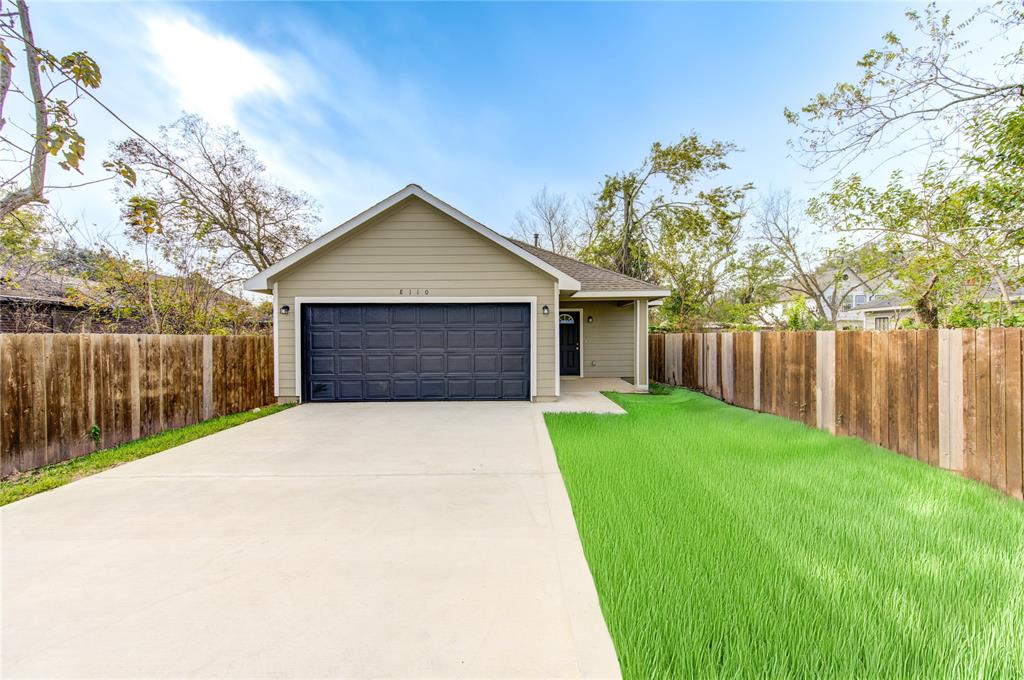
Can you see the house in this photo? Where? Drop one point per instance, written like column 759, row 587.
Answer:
column 885, row 313
column 414, row 300
column 39, row 301
column 849, row 289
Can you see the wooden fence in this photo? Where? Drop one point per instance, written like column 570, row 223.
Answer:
column 62, row 396
column 950, row 398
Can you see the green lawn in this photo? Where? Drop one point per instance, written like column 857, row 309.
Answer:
column 727, row 543
column 59, row 474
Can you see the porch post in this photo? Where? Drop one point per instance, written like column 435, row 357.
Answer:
column 641, row 317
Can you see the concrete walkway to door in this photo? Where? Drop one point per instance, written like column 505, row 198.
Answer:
column 330, row 540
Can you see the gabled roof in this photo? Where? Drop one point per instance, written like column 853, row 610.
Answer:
column 261, row 282
column 594, row 280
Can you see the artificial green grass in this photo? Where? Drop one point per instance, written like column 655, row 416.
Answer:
column 59, row 474
column 727, row 543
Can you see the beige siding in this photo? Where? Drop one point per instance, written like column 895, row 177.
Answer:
column 415, row 246
column 607, row 343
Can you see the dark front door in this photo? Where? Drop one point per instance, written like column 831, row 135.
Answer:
column 569, row 343
column 369, row 352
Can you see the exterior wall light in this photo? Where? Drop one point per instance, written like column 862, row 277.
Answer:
column 590, row 319
column 285, row 309
column 545, row 310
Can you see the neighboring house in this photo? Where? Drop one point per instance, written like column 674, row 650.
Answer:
column 886, row 313
column 412, row 299
column 39, row 302
column 853, row 290
column 34, row 300
column 883, row 313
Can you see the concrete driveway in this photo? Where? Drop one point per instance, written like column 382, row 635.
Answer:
column 360, row 540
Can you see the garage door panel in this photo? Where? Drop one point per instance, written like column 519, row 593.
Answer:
column 350, row 390
column 405, row 388
column 349, row 340
column 486, row 363
column 513, row 363
column 459, row 314
column 321, row 366
column 432, row 364
column 321, row 340
column 516, row 314
column 459, row 388
column 432, row 339
column 405, row 314
column 487, row 339
column 321, row 315
column 405, row 338
column 350, row 364
column 515, row 389
column 515, row 339
column 377, row 363
column 405, row 363
column 322, row 390
column 376, row 389
column 460, row 363
column 433, row 314
column 487, row 389
column 376, row 339
column 347, row 315
column 376, row 314
column 486, row 314
column 432, row 389
column 460, row 339
column 362, row 352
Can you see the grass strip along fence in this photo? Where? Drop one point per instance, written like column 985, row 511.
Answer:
column 59, row 474
column 949, row 397
column 63, row 396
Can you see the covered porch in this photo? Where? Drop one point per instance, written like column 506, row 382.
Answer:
column 602, row 343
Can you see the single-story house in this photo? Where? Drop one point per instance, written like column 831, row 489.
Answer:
column 38, row 301
column 414, row 300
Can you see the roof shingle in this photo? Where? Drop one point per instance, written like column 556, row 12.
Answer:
column 591, row 278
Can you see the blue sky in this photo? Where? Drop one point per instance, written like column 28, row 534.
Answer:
column 482, row 104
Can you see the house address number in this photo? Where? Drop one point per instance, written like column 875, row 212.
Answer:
column 413, row 291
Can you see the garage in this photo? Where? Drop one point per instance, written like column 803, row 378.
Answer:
column 415, row 351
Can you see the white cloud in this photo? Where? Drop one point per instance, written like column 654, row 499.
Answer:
column 210, row 73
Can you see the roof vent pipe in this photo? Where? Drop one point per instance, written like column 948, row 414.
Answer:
column 536, row 240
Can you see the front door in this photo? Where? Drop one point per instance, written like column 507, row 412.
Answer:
column 569, row 343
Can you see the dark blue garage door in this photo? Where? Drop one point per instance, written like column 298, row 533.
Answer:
column 367, row 352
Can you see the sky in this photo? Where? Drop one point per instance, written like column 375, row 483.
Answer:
column 481, row 104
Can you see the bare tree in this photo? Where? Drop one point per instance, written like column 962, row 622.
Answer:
column 821, row 276
column 549, row 220
column 922, row 87
column 204, row 186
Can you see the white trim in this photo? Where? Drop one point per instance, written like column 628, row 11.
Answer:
column 412, row 299
column 273, row 316
column 558, row 357
column 558, row 345
column 260, row 283
column 629, row 294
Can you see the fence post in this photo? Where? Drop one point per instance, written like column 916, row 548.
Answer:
column 699, row 341
column 728, row 369
column 825, row 374
column 207, row 377
column 956, row 399
column 951, row 399
column 757, row 370
column 134, row 384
